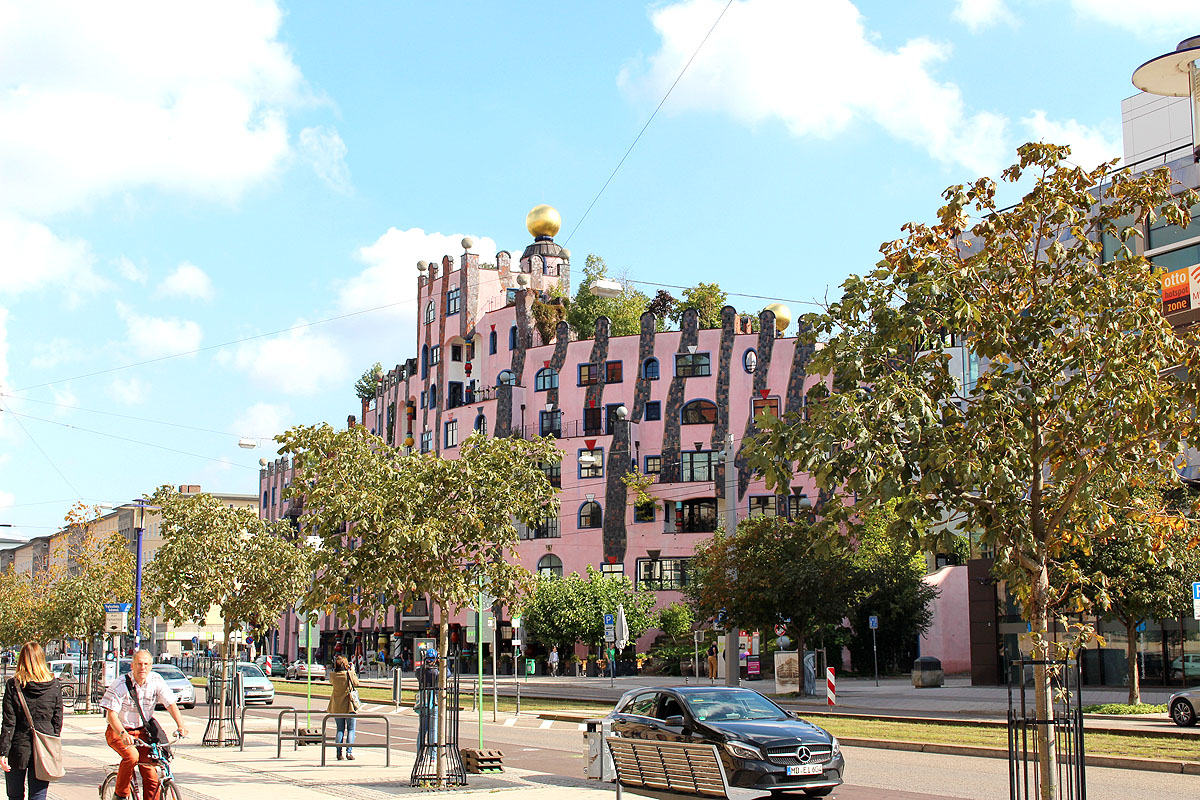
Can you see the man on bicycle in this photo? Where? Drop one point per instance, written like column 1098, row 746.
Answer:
column 126, row 721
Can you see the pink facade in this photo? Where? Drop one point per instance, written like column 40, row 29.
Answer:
column 949, row 635
column 661, row 401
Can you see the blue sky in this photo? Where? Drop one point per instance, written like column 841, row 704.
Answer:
column 175, row 177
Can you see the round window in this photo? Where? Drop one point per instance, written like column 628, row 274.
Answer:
column 750, row 360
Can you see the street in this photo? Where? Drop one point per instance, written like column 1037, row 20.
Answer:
column 555, row 748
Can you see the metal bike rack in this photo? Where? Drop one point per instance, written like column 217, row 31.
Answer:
column 294, row 737
column 387, row 735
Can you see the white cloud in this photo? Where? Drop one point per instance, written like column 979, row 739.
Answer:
column 187, row 280
column 127, row 390
column 7, row 499
column 3, row 347
column 32, row 257
column 1173, row 19
column 65, row 400
column 753, row 69
column 299, row 362
column 48, row 355
column 152, row 337
column 130, row 271
column 1090, row 146
column 325, row 152
column 980, row 14
column 262, row 421
column 101, row 98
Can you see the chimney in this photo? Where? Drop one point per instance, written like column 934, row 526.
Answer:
column 350, row 420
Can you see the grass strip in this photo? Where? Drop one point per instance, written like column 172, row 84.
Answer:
column 1183, row 748
column 1126, row 708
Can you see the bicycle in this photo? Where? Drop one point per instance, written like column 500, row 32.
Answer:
column 167, row 790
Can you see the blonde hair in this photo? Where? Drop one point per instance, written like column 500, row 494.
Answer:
column 31, row 665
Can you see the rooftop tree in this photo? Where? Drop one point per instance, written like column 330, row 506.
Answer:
column 624, row 312
column 1082, row 380
column 420, row 524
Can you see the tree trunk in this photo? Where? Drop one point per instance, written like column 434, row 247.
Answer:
column 1131, row 653
column 1043, row 693
column 224, row 686
column 443, row 650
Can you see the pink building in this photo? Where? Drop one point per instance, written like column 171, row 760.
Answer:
column 663, row 402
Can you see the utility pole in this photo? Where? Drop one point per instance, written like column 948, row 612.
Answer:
column 733, row 671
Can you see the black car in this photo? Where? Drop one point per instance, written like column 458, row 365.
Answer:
column 763, row 747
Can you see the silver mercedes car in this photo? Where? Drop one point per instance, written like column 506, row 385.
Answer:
column 1182, row 706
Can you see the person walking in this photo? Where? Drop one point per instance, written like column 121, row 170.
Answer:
column 712, row 661
column 343, row 682
column 42, row 693
column 554, row 660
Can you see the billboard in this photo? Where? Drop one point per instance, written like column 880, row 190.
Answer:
column 1181, row 295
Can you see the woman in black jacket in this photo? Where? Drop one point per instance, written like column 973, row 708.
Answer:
column 43, row 695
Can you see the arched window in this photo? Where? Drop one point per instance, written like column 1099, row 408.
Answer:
column 512, row 338
column 506, row 378
column 481, row 423
column 750, row 360
column 545, row 380
column 590, row 515
column 550, row 566
column 492, row 343
column 424, row 361
column 433, row 396
column 650, row 369
column 699, row 412
column 429, row 312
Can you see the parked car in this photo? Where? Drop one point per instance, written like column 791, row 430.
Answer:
column 65, row 669
column 279, row 665
column 258, row 687
column 1187, row 666
column 299, row 671
column 1182, row 707
column 105, row 672
column 177, row 682
column 763, row 747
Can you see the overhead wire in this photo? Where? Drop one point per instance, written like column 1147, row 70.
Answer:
column 127, row 439
column 638, row 138
column 121, row 416
column 45, row 455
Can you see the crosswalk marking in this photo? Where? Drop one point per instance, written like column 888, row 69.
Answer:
column 546, row 723
column 508, row 723
column 582, row 726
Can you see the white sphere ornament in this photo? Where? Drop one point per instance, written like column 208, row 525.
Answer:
column 262, row 462
column 523, row 279
column 467, row 243
column 422, row 266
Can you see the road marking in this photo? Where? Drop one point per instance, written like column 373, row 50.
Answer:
column 546, row 723
column 582, row 726
column 508, row 723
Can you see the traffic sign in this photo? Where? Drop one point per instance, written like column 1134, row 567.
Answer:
column 111, row 607
column 780, row 629
column 610, row 619
column 1196, row 599
column 116, row 621
column 610, row 632
column 873, row 622
column 516, row 620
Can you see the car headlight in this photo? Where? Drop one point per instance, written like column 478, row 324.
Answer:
column 743, row 750
column 837, row 747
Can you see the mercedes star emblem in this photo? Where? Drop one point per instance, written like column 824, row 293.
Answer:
column 804, row 754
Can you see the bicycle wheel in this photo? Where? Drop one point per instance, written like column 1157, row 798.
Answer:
column 108, row 789
column 68, row 695
column 169, row 791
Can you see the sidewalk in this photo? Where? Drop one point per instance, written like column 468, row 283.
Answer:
column 226, row 774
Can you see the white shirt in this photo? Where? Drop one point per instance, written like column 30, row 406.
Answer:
column 154, row 691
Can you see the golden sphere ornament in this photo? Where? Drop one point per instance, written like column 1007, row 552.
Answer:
column 783, row 315
column 543, row 220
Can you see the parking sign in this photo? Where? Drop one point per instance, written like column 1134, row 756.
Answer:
column 1196, row 599
column 873, row 621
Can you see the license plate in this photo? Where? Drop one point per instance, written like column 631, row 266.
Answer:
column 805, row 769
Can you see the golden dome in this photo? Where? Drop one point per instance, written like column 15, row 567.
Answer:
column 543, row 221
column 783, row 316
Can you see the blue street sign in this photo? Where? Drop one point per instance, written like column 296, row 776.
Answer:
column 117, row 607
column 195, row 640
column 610, row 619
column 1141, row 626
column 873, row 621
column 1196, row 590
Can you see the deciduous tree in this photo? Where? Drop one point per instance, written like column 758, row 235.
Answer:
column 1082, row 381
column 624, row 312
column 570, row 609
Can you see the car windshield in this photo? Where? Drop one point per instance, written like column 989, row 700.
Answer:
column 123, row 666
column 250, row 671
column 170, row 673
column 726, row 706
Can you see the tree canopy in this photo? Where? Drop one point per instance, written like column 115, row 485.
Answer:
column 624, row 312
column 707, row 298
column 366, row 384
column 570, row 609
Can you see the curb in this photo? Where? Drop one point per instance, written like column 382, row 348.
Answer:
column 1113, row 762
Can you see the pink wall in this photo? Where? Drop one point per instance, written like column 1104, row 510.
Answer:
column 949, row 635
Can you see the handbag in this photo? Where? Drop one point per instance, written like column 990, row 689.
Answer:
column 353, row 700
column 47, row 747
column 154, row 731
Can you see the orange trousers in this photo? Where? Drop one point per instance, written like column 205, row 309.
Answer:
column 131, row 757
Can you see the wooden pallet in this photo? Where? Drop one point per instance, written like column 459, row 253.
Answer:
column 482, row 761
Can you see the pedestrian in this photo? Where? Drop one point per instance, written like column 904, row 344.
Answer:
column 554, row 660
column 42, row 693
column 343, row 699
column 712, row 661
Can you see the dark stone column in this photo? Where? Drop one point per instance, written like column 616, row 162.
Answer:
column 688, row 335
column 800, row 358
column 642, row 385
column 766, row 346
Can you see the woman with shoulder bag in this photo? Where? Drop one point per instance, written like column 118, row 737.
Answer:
column 344, row 700
column 42, row 694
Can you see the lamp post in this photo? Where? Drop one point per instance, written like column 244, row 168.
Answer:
column 140, row 505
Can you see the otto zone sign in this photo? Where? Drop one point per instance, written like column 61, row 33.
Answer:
column 1181, row 291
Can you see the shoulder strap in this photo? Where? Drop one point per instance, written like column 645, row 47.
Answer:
column 136, row 703
column 24, row 706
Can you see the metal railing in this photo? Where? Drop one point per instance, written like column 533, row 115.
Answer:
column 387, row 735
column 1046, row 751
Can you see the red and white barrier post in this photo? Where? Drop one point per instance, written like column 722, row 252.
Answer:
column 830, row 687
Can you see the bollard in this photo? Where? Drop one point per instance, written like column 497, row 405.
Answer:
column 830, row 687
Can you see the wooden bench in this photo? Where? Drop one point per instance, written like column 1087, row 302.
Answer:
column 668, row 767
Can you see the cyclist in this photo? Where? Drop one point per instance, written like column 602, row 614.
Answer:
column 126, row 721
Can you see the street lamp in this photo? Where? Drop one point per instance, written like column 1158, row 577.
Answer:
column 140, row 504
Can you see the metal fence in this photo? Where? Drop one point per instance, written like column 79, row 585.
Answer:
column 428, row 709
column 1045, row 751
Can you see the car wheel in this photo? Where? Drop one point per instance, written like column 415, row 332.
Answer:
column 270, row 702
column 1183, row 714
column 189, row 706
